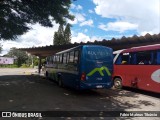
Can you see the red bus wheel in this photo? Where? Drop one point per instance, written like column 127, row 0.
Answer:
column 118, row 83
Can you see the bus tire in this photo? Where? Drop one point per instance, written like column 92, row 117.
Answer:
column 46, row 75
column 60, row 82
column 118, row 83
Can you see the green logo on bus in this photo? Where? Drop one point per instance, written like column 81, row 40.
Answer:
column 100, row 70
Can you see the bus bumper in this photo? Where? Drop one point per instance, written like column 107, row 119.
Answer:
column 95, row 85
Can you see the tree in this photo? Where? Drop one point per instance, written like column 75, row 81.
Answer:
column 148, row 38
column 21, row 56
column 55, row 39
column 62, row 37
column 59, row 36
column 67, row 34
column 15, row 15
column 0, row 48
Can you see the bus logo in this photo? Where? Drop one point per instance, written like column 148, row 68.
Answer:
column 156, row 76
column 100, row 70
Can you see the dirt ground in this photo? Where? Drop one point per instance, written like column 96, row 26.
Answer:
column 24, row 90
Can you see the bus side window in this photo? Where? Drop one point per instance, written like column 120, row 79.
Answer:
column 145, row 57
column 71, row 56
column 158, row 57
column 64, row 58
column 54, row 59
column 153, row 57
column 49, row 61
column 125, row 58
column 68, row 56
column 76, row 59
column 60, row 58
column 133, row 58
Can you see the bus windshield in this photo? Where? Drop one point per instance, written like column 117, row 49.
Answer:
column 98, row 53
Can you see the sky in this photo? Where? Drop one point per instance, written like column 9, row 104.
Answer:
column 97, row 20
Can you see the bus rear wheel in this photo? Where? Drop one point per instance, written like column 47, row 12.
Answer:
column 118, row 83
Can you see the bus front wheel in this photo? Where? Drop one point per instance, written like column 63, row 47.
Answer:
column 46, row 75
column 118, row 83
column 60, row 82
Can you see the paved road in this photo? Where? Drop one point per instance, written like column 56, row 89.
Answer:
column 21, row 90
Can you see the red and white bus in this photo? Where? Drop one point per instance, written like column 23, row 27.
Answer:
column 138, row 67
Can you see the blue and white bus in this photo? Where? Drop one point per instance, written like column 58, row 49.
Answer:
column 82, row 67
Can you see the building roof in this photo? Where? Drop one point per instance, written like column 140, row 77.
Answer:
column 115, row 44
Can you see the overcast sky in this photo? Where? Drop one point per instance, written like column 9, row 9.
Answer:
column 98, row 20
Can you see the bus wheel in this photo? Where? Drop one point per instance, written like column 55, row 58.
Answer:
column 60, row 83
column 118, row 83
column 46, row 75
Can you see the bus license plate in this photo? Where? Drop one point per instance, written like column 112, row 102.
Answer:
column 99, row 86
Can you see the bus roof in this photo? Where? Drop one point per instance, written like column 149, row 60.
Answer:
column 68, row 49
column 77, row 47
column 118, row 51
column 142, row 48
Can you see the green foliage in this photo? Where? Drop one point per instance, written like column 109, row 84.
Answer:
column 22, row 59
column 16, row 14
column 0, row 48
column 43, row 61
column 20, row 56
column 9, row 66
column 59, row 36
column 62, row 36
column 67, row 34
column 55, row 39
column 35, row 61
column 25, row 66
